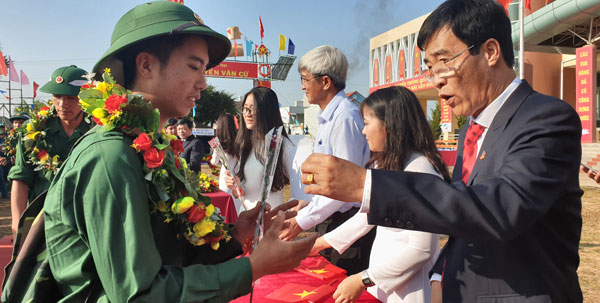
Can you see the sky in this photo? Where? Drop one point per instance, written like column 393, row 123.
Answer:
column 42, row 35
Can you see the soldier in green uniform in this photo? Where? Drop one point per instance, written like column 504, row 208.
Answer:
column 104, row 242
column 65, row 126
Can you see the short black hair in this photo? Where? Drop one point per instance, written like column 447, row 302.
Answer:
column 171, row 122
column 473, row 22
column 187, row 122
column 161, row 47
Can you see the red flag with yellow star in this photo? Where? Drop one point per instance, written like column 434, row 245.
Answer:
column 293, row 292
column 320, row 269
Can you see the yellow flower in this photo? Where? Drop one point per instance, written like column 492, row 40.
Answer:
column 103, row 87
column 199, row 242
column 107, row 70
column 29, row 126
column 182, row 205
column 99, row 113
column 43, row 113
column 203, row 176
column 33, row 135
column 161, row 206
column 215, row 246
column 204, row 227
column 210, row 210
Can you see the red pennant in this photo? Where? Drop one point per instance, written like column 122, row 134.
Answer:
column 35, row 88
column 262, row 29
column 320, row 269
column 3, row 68
column 293, row 292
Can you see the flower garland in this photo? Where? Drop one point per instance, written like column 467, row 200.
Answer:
column 115, row 108
column 34, row 142
column 10, row 143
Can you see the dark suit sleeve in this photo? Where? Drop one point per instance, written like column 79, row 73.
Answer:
column 540, row 164
column 196, row 155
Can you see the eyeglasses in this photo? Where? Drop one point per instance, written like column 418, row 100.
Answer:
column 247, row 110
column 304, row 80
column 441, row 69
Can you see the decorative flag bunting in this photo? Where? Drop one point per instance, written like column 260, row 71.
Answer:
column 177, row 1
column 281, row 42
column 3, row 68
column 35, row 88
column 24, row 79
column 12, row 73
column 248, row 47
column 262, row 29
column 291, row 47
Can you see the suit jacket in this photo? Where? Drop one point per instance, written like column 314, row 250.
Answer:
column 193, row 152
column 515, row 226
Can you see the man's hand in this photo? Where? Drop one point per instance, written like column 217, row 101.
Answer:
column 246, row 222
column 273, row 256
column 349, row 290
column 436, row 292
column 333, row 177
column 594, row 176
column 3, row 161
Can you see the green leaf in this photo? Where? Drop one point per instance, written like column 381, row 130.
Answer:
column 90, row 93
column 108, row 78
column 162, row 146
column 119, row 90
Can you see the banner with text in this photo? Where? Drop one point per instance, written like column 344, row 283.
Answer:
column 229, row 69
column 445, row 117
column 414, row 84
column 586, row 91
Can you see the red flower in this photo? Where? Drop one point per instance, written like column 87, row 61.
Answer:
column 97, row 121
column 86, row 86
column 154, row 157
column 142, row 142
column 177, row 146
column 177, row 163
column 44, row 108
column 113, row 102
column 43, row 153
column 195, row 214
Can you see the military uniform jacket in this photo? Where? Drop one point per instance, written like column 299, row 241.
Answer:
column 100, row 229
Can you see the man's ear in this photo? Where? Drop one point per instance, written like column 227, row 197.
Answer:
column 492, row 51
column 327, row 83
column 146, row 65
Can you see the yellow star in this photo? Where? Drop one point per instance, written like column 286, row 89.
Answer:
column 318, row 271
column 305, row 293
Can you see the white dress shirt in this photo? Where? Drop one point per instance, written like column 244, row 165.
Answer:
column 485, row 118
column 400, row 259
column 339, row 134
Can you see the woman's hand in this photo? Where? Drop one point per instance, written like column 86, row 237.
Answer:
column 320, row 244
column 350, row 289
column 246, row 222
column 231, row 185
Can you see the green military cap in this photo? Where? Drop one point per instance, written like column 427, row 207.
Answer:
column 19, row 116
column 66, row 80
column 159, row 18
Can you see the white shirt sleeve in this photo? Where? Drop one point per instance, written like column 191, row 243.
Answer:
column 346, row 234
column 215, row 158
column 347, row 142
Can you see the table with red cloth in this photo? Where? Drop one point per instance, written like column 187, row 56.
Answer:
column 449, row 157
column 268, row 284
column 224, row 202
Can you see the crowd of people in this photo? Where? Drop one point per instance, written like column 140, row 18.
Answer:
column 379, row 197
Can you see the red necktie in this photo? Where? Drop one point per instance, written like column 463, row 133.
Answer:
column 470, row 150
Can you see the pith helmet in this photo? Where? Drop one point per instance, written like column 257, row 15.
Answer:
column 159, row 18
column 66, row 80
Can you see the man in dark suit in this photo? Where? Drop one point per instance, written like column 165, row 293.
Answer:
column 513, row 209
column 192, row 146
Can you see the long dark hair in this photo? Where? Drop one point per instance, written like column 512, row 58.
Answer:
column 266, row 116
column 226, row 132
column 407, row 130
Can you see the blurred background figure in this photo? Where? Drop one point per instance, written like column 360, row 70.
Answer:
column 226, row 133
column 192, row 147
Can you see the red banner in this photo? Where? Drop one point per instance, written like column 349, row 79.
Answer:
column 375, row 72
column 229, row 69
column 445, row 113
column 388, row 69
column 586, row 91
column 401, row 65
column 259, row 83
column 417, row 58
column 414, row 84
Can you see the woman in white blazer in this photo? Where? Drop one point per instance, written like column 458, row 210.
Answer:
column 399, row 138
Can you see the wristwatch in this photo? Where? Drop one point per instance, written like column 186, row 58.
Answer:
column 366, row 280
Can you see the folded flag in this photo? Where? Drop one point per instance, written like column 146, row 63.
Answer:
column 293, row 292
column 320, row 269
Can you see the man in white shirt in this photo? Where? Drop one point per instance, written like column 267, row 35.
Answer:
column 323, row 75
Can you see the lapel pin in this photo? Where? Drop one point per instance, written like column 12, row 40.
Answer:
column 482, row 155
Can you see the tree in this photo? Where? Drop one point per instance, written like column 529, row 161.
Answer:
column 211, row 105
column 460, row 121
column 435, row 125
